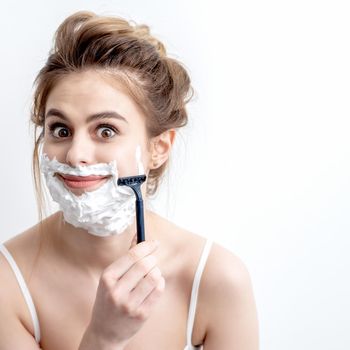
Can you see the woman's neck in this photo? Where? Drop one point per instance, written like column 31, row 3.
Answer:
column 89, row 252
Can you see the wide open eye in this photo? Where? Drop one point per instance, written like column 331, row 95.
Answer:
column 59, row 130
column 106, row 131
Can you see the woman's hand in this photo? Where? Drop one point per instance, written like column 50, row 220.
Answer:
column 128, row 291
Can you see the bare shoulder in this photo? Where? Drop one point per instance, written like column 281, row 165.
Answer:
column 23, row 247
column 179, row 242
column 172, row 235
column 14, row 316
column 226, row 315
column 227, row 303
column 222, row 264
column 10, row 314
column 224, row 268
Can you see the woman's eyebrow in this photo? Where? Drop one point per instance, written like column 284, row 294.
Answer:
column 54, row 112
column 106, row 114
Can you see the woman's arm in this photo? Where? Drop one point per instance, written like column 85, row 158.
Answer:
column 13, row 334
column 229, row 304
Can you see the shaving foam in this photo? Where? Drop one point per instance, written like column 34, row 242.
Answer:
column 106, row 211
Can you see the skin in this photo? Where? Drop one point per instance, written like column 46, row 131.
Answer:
column 107, row 292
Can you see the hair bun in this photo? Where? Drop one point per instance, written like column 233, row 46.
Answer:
column 142, row 31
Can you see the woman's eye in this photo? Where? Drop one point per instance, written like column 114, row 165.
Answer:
column 106, row 132
column 59, row 131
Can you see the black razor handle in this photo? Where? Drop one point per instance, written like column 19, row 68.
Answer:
column 134, row 182
column 140, row 223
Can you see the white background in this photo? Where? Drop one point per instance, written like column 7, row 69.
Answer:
column 263, row 167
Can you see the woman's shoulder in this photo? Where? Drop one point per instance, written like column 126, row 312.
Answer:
column 225, row 289
column 178, row 242
column 226, row 303
column 22, row 248
column 187, row 246
column 21, row 243
column 25, row 246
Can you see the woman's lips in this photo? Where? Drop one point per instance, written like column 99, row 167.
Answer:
column 82, row 182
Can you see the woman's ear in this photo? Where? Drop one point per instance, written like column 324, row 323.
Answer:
column 161, row 146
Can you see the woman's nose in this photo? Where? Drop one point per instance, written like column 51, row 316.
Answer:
column 80, row 151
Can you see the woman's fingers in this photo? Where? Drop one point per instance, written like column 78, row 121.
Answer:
column 145, row 287
column 119, row 267
column 137, row 272
column 127, row 293
column 147, row 305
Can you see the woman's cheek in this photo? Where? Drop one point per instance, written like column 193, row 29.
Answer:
column 47, row 149
column 128, row 165
column 52, row 150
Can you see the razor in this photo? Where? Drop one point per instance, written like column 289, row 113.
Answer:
column 135, row 182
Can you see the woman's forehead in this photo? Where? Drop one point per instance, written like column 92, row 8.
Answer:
column 88, row 93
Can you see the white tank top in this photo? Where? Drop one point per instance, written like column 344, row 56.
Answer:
column 191, row 311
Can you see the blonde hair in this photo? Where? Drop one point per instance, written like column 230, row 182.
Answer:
column 159, row 84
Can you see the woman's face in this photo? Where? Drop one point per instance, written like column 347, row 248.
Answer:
column 89, row 120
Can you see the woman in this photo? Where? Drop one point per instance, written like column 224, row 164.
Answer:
column 107, row 104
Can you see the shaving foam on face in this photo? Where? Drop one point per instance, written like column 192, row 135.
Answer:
column 106, row 211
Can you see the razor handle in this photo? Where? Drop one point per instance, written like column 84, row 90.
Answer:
column 140, row 223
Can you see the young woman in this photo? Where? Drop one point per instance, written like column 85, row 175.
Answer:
column 107, row 104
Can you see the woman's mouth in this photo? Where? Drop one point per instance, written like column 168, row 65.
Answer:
column 82, row 182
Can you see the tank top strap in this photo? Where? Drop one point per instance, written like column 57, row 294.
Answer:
column 24, row 289
column 194, row 294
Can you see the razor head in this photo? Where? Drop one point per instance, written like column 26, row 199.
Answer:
column 134, row 182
